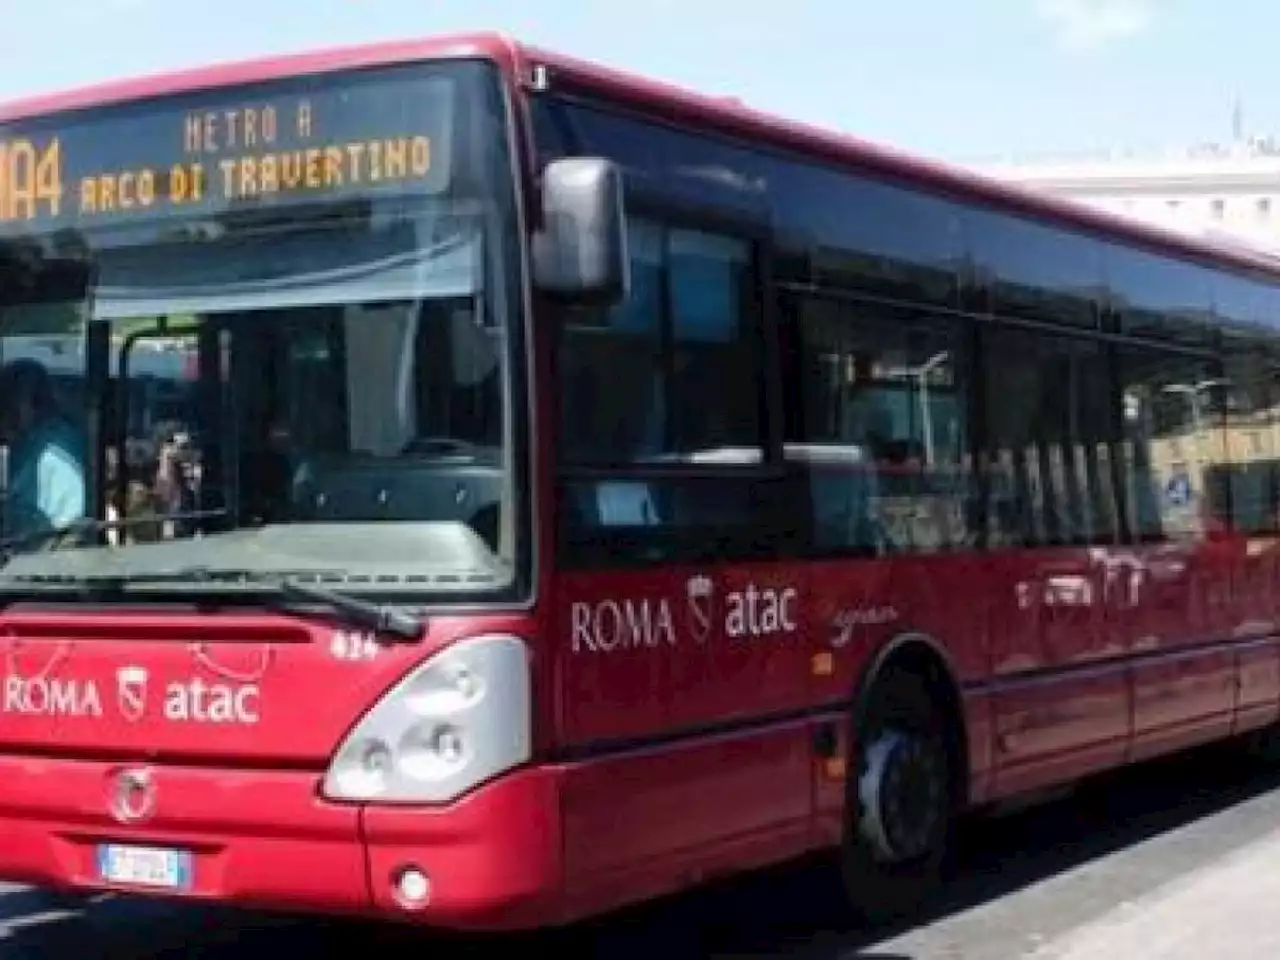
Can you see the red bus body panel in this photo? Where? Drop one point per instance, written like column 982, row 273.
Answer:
column 295, row 695
column 263, row 837
column 672, row 742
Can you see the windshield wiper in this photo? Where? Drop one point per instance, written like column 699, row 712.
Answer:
column 381, row 619
column 87, row 526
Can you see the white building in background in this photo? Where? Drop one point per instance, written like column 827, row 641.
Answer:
column 1229, row 191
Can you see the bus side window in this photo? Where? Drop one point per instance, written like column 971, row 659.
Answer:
column 1173, row 442
column 1049, row 436
column 661, row 437
column 1246, row 486
column 881, row 432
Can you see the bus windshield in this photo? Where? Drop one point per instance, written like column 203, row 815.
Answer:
column 263, row 340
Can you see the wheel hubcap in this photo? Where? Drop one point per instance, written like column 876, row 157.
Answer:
column 902, row 792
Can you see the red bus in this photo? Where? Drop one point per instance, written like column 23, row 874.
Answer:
column 586, row 487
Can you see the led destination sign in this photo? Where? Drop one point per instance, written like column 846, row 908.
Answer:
column 344, row 137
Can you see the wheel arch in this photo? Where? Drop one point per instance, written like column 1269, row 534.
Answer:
column 920, row 655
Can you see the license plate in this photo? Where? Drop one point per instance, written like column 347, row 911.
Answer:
column 145, row 866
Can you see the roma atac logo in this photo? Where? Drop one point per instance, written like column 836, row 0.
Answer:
column 701, row 594
column 131, row 692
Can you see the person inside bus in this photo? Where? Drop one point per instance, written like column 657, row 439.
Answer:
column 46, row 482
column 130, row 499
column 175, row 477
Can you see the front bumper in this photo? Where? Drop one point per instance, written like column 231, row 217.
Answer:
column 267, row 839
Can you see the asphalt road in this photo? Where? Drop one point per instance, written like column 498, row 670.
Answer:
column 1169, row 861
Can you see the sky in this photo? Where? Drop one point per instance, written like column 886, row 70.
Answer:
column 954, row 79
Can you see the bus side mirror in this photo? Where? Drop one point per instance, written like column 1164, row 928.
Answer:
column 580, row 254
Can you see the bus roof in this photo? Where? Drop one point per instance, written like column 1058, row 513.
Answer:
column 727, row 115
column 488, row 45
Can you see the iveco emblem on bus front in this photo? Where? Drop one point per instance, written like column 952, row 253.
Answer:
column 133, row 796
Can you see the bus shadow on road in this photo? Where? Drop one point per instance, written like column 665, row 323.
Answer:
column 792, row 911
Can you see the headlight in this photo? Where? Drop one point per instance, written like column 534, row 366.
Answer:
column 457, row 720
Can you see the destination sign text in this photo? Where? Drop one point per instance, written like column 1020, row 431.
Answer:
column 341, row 142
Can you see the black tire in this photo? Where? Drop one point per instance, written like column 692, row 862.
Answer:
column 1262, row 745
column 883, row 890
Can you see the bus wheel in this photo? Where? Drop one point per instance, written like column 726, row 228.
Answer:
column 900, row 801
column 1264, row 744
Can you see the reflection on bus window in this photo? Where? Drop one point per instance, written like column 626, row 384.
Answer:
column 1173, row 438
column 882, row 433
column 1049, row 431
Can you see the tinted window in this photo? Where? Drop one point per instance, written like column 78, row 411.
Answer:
column 661, row 407
column 1049, row 434
column 1173, row 440
column 1026, row 269
column 659, row 162
column 1240, row 304
column 672, row 374
column 613, row 401
column 836, row 228
column 1271, row 307
column 1244, row 487
column 868, row 237
column 1160, row 298
column 880, row 427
